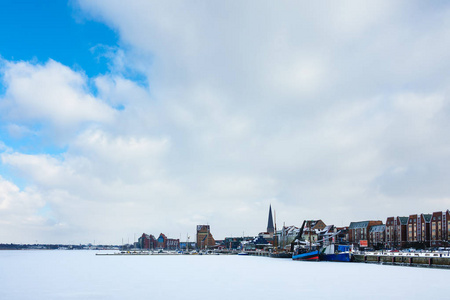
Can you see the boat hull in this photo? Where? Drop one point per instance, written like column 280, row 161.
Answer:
column 308, row 256
column 342, row 257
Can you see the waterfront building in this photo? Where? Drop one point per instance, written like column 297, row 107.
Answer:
column 310, row 235
column 377, row 236
column 342, row 236
column 327, row 234
column 161, row 242
column 425, row 225
column 413, row 229
column 172, row 244
column 315, row 224
column 232, row 243
column 167, row 244
column 147, row 241
column 359, row 232
column 401, row 234
column 286, row 236
column 261, row 243
column 187, row 245
column 391, row 232
column 439, row 229
column 312, row 229
column 448, row 226
column 204, row 237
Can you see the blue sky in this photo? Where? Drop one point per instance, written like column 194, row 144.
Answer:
column 41, row 30
column 50, row 29
column 118, row 118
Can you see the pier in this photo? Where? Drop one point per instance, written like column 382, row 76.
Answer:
column 431, row 260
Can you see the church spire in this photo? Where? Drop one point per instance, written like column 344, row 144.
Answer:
column 270, row 228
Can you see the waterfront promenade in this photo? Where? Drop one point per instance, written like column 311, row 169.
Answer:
column 415, row 259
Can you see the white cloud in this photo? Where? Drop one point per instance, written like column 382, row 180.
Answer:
column 19, row 216
column 335, row 111
column 324, row 96
column 50, row 94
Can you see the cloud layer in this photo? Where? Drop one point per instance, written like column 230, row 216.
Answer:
column 336, row 111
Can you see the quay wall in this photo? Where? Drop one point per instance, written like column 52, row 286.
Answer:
column 405, row 260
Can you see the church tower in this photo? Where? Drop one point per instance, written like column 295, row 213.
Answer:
column 270, row 228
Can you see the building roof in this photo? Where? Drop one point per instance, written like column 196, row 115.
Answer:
column 202, row 227
column 327, row 229
column 312, row 223
column 260, row 241
column 378, row 228
column 270, row 227
column 356, row 225
column 148, row 236
column 403, row 220
column 427, row 217
column 288, row 230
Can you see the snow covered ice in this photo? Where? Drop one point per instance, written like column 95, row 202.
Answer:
column 83, row 275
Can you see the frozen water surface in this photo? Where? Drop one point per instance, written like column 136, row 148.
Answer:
column 83, row 275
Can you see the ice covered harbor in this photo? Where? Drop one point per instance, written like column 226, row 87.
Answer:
column 431, row 259
column 38, row 274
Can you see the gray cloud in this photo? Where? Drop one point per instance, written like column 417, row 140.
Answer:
column 336, row 111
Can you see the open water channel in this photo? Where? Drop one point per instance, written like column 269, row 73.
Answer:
column 42, row 274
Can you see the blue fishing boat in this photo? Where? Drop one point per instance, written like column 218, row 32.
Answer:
column 303, row 252
column 342, row 257
column 340, row 253
column 309, row 256
column 323, row 249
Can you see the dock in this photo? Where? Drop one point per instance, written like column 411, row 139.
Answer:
column 138, row 253
column 430, row 260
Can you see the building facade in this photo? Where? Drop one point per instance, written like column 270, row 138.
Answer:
column 391, row 233
column 401, row 234
column 286, row 236
column 413, row 229
column 147, row 241
column 342, row 236
column 315, row 225
column 204, row 237
column 377, row 236
column 359, row 232
column 425, row 224
column 439, row 231
column 448, row 227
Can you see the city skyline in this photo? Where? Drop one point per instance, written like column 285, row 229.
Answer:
column 121, row 118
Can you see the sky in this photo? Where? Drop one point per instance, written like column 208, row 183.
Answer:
column 118, row 118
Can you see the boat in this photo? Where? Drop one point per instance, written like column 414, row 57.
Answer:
column 321, row 250
column 309, row 255
column 305, row 251
column 341, row 253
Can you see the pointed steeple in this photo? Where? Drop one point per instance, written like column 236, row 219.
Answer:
column 270, row 228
